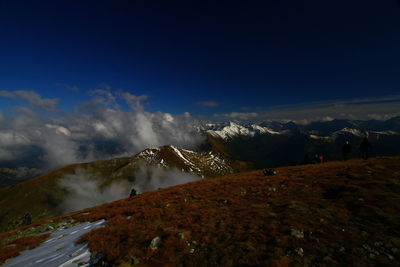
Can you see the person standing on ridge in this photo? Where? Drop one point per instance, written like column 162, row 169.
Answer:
column 316, row 159
column 27, row 219
column 133, row 193
column 365, row 148
column 346, row 149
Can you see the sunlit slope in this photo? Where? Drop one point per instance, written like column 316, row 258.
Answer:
column 345, row 213
column 42, row 196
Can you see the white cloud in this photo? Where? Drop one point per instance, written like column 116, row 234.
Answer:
column 10, row 138
column 96, row 130
column 72, row 88
column 33, row 98
column 135, row 102
column 59, row 129
column 238, row 115
column 211, row 104
column 8, row 94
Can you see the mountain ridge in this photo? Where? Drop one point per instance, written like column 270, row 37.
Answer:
column 337, row 213
column 43, row 196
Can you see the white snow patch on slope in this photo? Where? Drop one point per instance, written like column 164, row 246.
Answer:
column 385, row 132
column 60, row 249
column 186, row 160
column 313, row 136
column 263, row 130
column 152, row 155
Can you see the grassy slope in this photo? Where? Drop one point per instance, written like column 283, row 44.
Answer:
column 42, row 196
column 337, row 212
column 348, row 213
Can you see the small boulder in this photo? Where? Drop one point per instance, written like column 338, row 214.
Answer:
column 297, row 233
column 155, row 243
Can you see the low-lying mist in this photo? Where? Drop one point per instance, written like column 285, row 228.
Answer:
column 84, row 188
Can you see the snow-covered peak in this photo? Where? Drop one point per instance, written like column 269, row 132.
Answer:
column 149, row 152
column 232, row 129
column 352, row 131
column 263, row 130
column 188, row 161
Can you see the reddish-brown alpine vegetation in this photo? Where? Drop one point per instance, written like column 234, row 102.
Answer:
column 336, row 213
column 324, row 214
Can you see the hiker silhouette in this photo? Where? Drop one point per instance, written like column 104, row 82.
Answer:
column 133, row 193
column 365, row 148
column 316, row 159
column 27, row 219
column 346, row 149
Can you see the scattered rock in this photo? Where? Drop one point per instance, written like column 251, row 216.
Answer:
column 155, row 243
column 182, row 235
column 299, row 251
column 297, row 233
column 367, row 248
column 371, row 255
column 390, row 257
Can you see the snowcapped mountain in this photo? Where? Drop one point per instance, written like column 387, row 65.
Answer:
column 150, row 169
column 232, row 129
column 348, row 130
column 272, row 144
column 318, row 130
column 201, row 163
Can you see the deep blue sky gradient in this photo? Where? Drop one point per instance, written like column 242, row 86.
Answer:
column 251, row 54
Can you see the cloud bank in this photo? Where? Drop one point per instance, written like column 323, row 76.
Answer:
column 97, row 129
column 382, row 108
column 33, row 98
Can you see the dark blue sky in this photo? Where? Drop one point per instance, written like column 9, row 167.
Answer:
column 253, row 54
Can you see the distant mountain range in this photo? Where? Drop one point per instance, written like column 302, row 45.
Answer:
column 275, row 144
column 229, row 130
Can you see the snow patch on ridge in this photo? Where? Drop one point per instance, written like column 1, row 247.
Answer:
column 59, row 249
column 317, row 137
